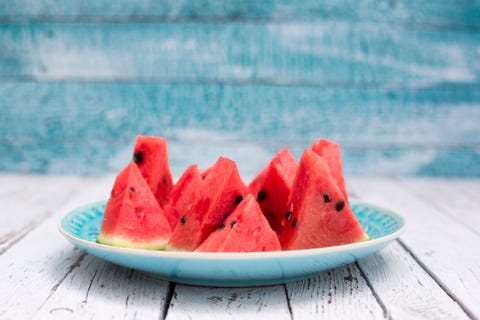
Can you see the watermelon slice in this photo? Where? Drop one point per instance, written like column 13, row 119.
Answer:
column 319, row 215
column 272, row 187
column 221, row 191
column 133, row 218
column 245, row 230
column 206, row 172
column 150, row 155
column 330, row 151
column 182, row 195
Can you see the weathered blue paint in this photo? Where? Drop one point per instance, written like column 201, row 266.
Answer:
column 311, row 53
column 443, row 13
column 84, row 127
column 397, row 83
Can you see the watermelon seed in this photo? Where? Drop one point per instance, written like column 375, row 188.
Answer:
column 261, row 195
column 326, row 198
column 220, row 227
column 238, row 199
column 226, row 216
column 182, row 220
column 132, row 189
column 232, row 223
column 340, row 205
column 294, row 222
column 164, row 181
column 138, row 157
column 288, row 215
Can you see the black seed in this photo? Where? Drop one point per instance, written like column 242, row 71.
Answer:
column 232, row 223
column 138, row 157
column 182, row 220
column 238, row 199
column 269, row 215
column 340, row 205
column 294, row 222
column 288, row 215
column 261, row 195
column 326, row 198
column 220, row 227
column 164, row 181
column 132, row 189
column 226, row 216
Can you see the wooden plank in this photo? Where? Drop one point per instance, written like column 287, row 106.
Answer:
column 191, row 302
column 470, row 188
column 442, row 245
column 90, row 127
column 32, row 270
column 100, row 290
column 450, row 198
column 341, row 293
column 405, row 289
column 28, row 200
column 323, row 52
column 449, row 13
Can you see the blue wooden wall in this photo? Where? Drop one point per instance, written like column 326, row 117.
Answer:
column 396, row 83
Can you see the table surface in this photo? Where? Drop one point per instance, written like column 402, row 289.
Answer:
column 431, row 272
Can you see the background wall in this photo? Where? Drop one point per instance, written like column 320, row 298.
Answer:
column 396, row 83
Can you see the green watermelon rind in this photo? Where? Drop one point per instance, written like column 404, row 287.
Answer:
column 159, row 244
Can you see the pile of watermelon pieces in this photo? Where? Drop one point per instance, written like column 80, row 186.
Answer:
column 289, row 205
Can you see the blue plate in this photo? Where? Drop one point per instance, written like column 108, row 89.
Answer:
column 81, row 227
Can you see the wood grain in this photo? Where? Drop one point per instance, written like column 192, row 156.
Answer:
column 324, row 52
column 450, row 198
column 341, row 293
column 441, row 245
column 90, row 127
column 33, row 269
column 440, row 14
column 191, row 302
column 100, row 290
column 405, row 289
column 26, row 201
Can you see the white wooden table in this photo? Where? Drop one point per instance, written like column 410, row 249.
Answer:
column 432, row 272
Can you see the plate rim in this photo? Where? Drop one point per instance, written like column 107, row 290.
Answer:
column 228, row 256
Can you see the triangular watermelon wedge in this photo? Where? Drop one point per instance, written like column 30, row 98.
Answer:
column 151, row 156
column 319, row 215
column 272, row 187
column 133, row 218
column 221, row 191
column 330, row 151
column 245, row 230
column 182, row 196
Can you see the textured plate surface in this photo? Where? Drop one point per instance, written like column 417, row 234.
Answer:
column 81, row 227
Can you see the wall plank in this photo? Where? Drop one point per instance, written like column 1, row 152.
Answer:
column 321, row 52
column 90, row 127
column 437, row 13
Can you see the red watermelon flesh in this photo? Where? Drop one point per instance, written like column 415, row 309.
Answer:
column 182, row 196
column 330, row 151
column 257, row 182
column 206, row 172
column 319, row 216
column 151, row 156
column 221, row 191
column 272, row 187
column 245, row 230
column 133, row 218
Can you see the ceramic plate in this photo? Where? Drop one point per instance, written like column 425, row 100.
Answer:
column 81, row 227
